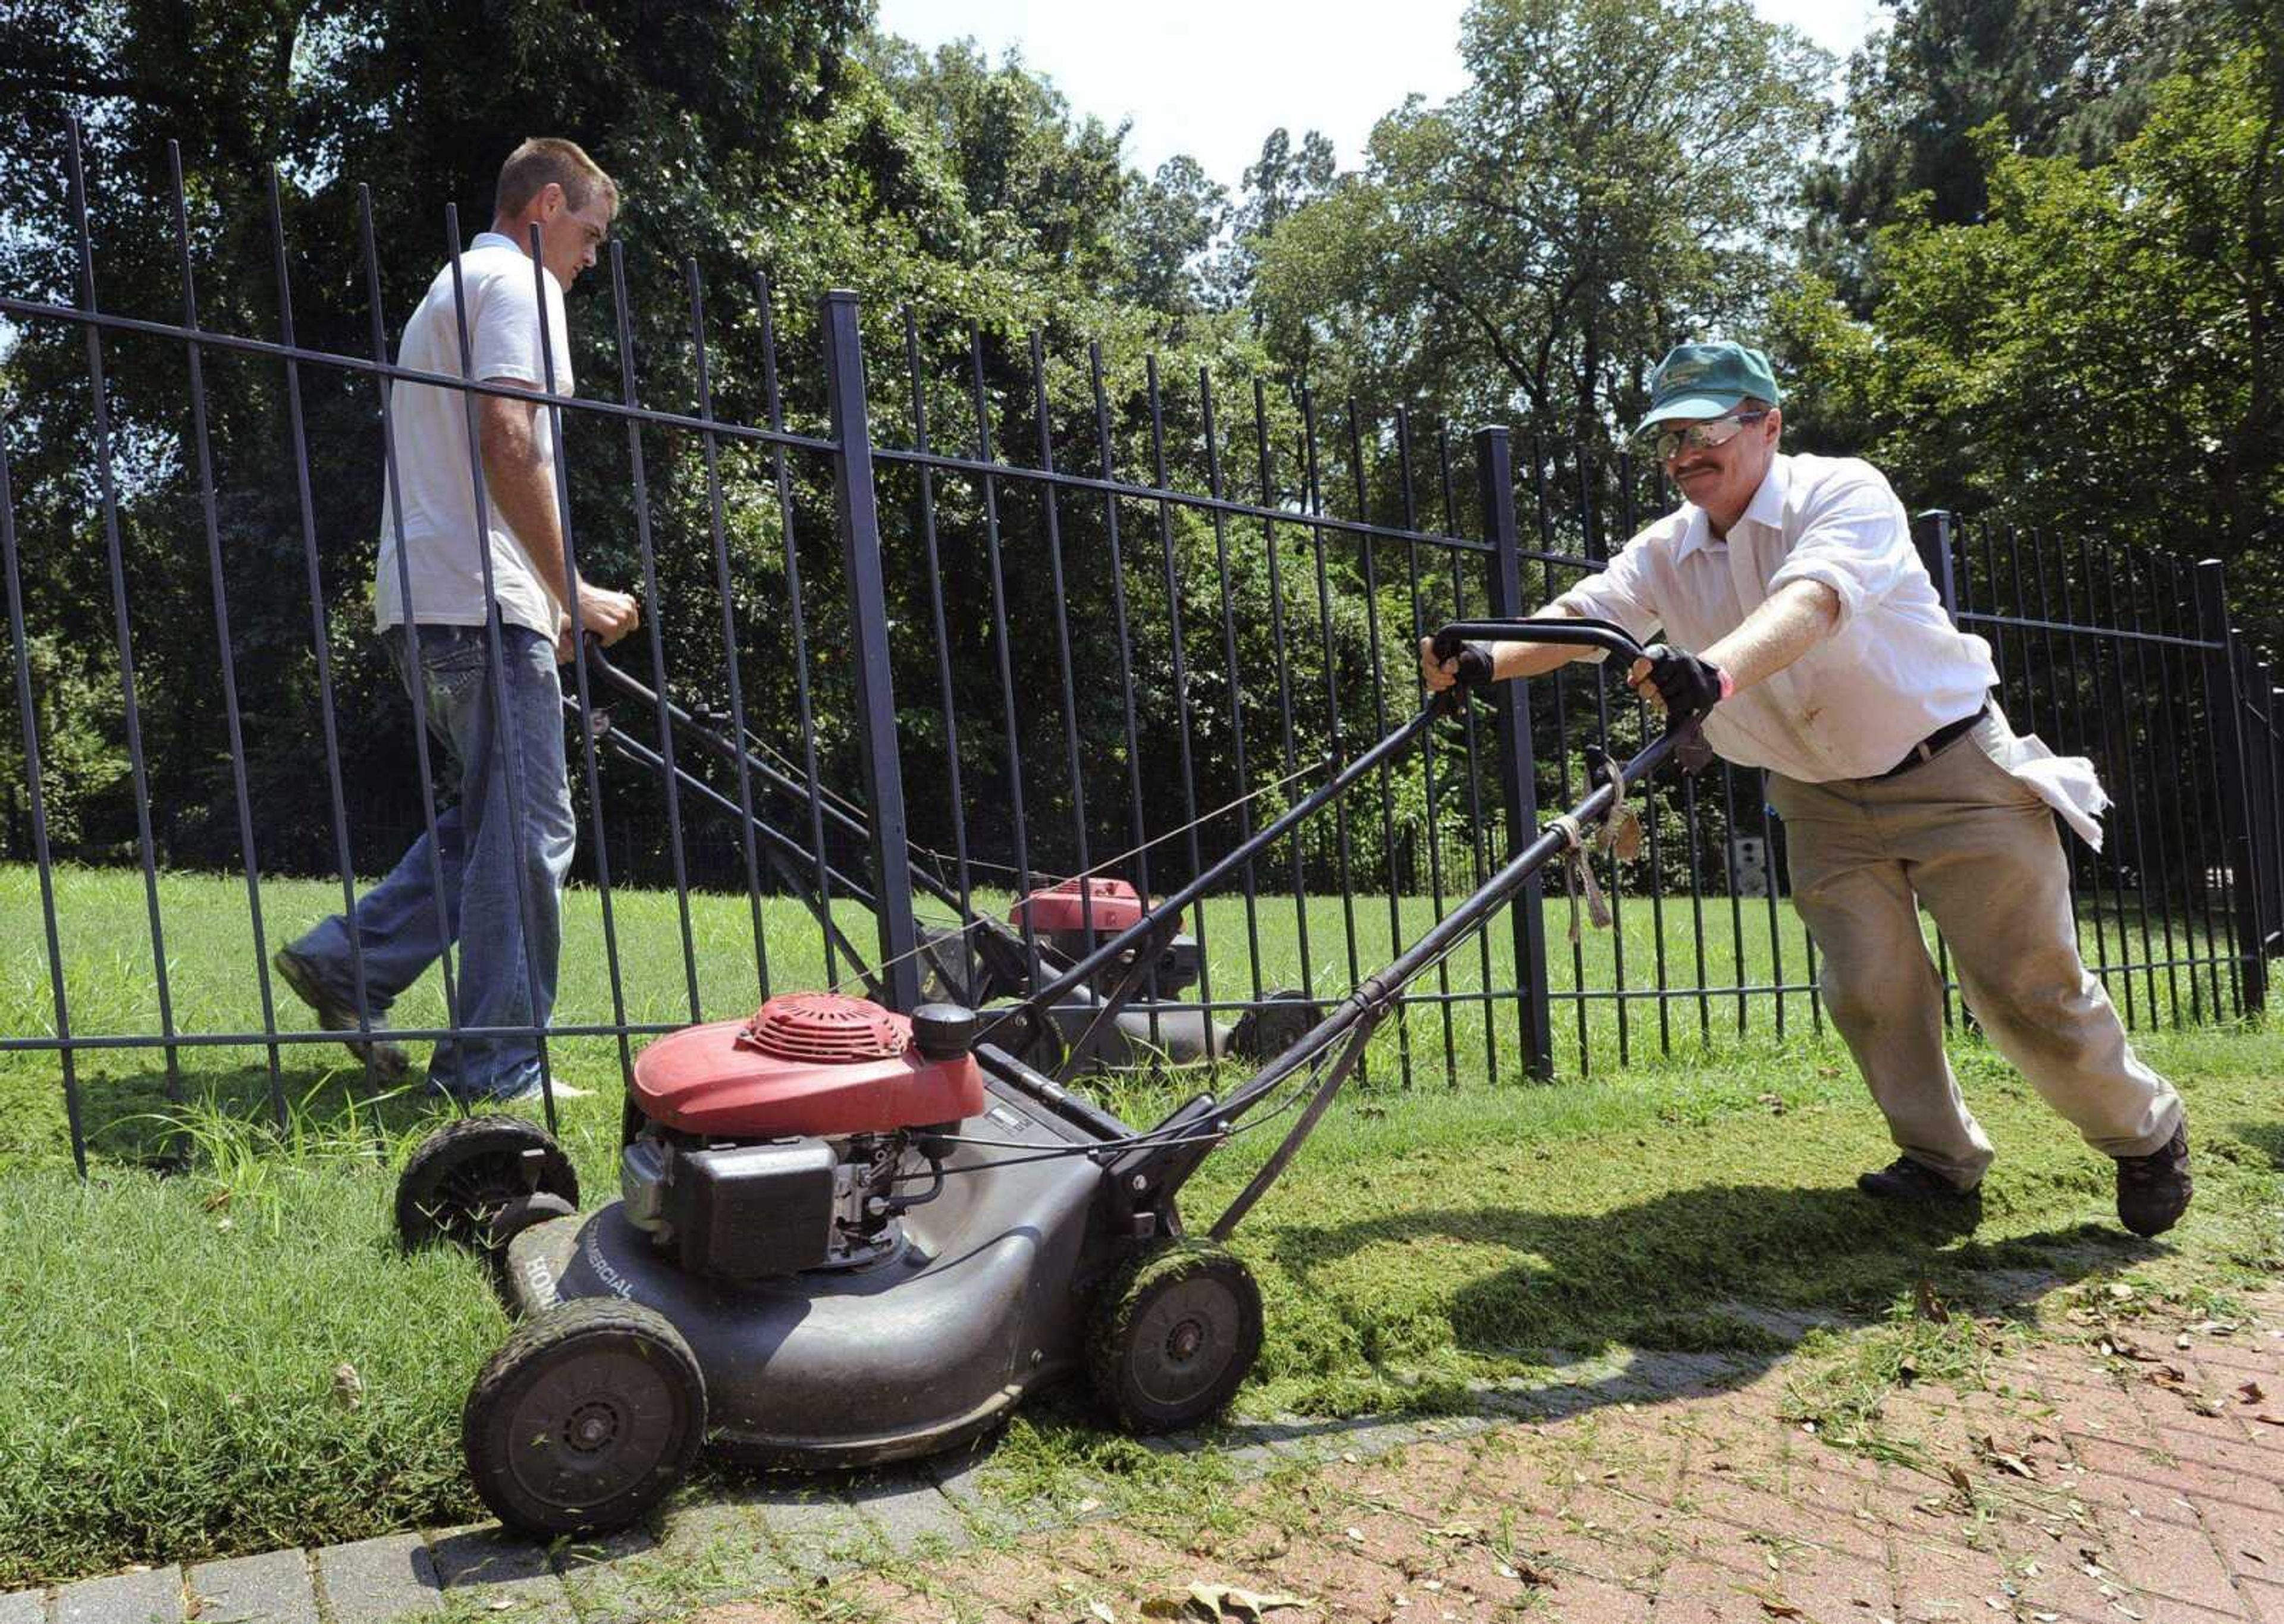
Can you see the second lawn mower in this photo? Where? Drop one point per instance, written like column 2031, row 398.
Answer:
column 979, row 960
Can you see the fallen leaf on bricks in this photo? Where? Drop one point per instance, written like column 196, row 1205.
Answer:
column 1218, row 1601
column 2249, row 1394
column 1781, row 1610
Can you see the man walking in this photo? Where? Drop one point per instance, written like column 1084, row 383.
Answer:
column 504, row 844
column 1825, row 657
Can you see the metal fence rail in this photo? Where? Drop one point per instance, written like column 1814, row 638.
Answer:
column 953, row 667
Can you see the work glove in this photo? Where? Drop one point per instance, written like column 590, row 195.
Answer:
column 1687, row 687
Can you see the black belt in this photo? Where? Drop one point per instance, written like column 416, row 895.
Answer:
column 1924, row 750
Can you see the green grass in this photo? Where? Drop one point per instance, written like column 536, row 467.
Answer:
column 110, row 988
column 169, row 1334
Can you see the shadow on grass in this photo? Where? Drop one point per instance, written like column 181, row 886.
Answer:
column 1739, row 1271
column 132, row 1119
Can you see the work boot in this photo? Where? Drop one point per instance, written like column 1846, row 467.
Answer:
column 2153, row 1190
column 334, row 1014
column 1913, row 1182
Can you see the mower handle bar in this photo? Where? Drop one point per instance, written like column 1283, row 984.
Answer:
column 1450, row 641
column 629, row 687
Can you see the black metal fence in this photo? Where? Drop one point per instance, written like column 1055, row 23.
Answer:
column 955, row 668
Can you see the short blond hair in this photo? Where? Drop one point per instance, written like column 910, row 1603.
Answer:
column 545, row 159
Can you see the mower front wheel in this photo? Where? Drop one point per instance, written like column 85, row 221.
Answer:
column 1173, row 1336
column 586, row 1418
column 463, row 1175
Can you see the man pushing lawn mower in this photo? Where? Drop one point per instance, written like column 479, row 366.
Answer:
column 475, row 596
column 1827, row 658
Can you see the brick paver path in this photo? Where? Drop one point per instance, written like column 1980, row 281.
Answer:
column 2132, row 1474
column 2144, row 1485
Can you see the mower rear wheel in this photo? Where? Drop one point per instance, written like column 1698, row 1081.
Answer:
column 586, row 1418
column 1270, row 1028
column 462, row 1175
column 1173, row 1336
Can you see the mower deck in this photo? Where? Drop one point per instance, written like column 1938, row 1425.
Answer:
column 919, row 1352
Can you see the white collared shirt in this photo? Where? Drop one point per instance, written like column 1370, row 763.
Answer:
column 500, row 289
column 1894, row 670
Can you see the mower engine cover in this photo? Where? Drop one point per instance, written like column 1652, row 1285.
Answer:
column 808, row 1064
column 1107, row 905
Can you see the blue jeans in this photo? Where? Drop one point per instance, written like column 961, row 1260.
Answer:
column 480, row 843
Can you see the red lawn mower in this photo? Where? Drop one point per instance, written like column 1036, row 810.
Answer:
column 846, row 1236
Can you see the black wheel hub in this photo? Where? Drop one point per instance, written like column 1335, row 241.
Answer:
column 1185, row 1339
column 601, row 1423
column 592, row 1426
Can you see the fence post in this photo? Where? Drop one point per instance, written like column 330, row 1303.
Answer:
column 2225, row 709
column 2267, row 817
column 856, row 504
column 1495, row 468
column 1931, row 533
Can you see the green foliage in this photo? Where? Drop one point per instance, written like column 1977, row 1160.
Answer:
column 2103, row 354
column 83, row 765
column 1614, row 178
column 2070, row 78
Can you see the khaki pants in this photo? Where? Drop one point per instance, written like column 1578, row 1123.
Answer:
column 1962, row 837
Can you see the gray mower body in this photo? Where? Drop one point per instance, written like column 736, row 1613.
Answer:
column 920, row 1351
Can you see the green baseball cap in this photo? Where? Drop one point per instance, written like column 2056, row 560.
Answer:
column 1704, row 381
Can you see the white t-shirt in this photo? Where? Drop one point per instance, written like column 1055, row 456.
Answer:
column 432, row 438
column 1896, row 668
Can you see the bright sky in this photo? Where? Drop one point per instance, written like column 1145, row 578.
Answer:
column 1212, row 77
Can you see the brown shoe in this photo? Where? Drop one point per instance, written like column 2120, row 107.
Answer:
column 1903, row 1180
column 2153, row 1190
column 336, row 1014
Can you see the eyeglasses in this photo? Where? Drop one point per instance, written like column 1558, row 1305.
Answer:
column 1701, row 436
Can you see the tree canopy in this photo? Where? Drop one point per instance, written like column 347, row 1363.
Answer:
column 2028, row 261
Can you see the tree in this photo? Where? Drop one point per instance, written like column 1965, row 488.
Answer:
column 774, row 138
column 1170, row 222
column 2071, row 78
column 2103, row 353
column 1618, row 174
column 1278, row 184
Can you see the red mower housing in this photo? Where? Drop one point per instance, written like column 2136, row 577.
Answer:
column 1112, row 905
column 805, row 1065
